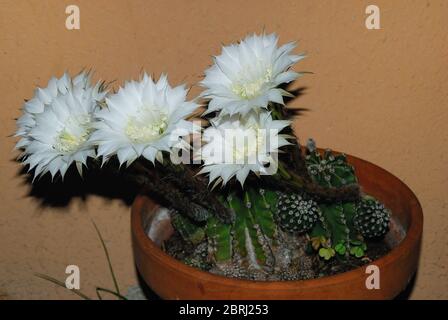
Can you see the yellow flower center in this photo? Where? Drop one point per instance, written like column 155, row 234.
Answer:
column 251, row 89
column 75, row 133
column 147, row 127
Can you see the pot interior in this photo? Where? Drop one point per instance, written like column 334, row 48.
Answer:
column 157, row 226
column 373, row 180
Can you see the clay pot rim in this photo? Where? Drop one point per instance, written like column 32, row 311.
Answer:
column 413, row 235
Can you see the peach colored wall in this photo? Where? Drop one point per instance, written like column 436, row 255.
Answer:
column 378, row 94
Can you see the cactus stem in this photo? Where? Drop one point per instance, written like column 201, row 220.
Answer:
column 251, row 251
column 283, row 171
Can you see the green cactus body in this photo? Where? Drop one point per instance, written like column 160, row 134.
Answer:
column 246, row 229
column 251, row 234
column 337, row 231
column 188, row 230
column 336, row 223
column 350, row 212
column 329, row 170
column 334, row 229
column 320, row 229
column 219, row 238
column 296, row 213
column 372, row 218
column 263, row 203
column 239, row 226
column 336, row 226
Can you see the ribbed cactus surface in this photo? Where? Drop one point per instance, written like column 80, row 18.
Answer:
column 252, row 237
column 252, row 232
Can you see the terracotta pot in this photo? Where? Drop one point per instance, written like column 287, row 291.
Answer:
column 171, row 279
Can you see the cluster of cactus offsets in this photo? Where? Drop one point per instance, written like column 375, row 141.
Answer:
column 372, row 218
column 296, row 212
column 250, row 236
column 329, row 170
column 342, row 226
column 261, row 216
column 335, row 232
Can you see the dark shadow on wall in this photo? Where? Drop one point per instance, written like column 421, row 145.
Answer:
column 146, row 290
column 406, row 293
column 60, row 192
column 105, row 182
column 297, row 93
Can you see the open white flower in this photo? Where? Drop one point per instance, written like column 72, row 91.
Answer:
column 59, row 135
column 79, row 86
column 246, row 75
column 236, row 145
column 55, row 125
column 143, row 119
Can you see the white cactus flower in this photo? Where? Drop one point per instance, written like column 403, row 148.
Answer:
column 247, row 75
column 55, row 125
column 80, row 86
column 236, row 145
column 143, row 119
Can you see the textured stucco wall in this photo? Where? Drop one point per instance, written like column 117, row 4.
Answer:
column 380, row 95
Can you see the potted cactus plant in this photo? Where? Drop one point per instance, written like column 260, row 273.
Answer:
column 232, row 206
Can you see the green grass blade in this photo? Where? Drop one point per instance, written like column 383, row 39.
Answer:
column 114, row 279
column 99, row 289
column 61, row 284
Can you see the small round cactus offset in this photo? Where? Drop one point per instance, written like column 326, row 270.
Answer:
column 296, row 212
column 372, row 218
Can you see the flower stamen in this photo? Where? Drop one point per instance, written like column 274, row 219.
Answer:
column 251, row 89
column 71, row 138
column 148, row 127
